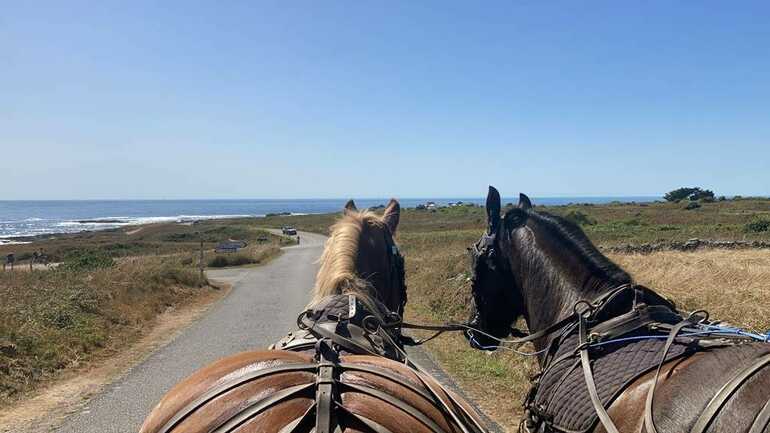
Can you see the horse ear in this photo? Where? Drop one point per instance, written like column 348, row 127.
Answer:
column 350, row 206
column 524, row 202
column 493, row 209
column 392, row 215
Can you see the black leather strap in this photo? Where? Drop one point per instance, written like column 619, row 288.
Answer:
column 724, row 393
column 637, row 318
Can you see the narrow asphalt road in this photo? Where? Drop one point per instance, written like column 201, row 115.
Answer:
column 261, row 308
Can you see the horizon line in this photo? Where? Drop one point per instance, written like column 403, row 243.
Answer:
column 480, row 197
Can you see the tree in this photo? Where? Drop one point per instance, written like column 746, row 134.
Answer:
column 703, row 194
column 692, row 193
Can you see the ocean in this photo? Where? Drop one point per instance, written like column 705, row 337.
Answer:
column 19, row 219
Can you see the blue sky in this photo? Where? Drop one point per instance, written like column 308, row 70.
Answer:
column 374, row 99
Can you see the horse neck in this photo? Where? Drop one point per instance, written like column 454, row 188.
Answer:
column 550, row 289
column 354, row 262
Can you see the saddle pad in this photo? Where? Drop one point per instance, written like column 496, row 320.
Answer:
column 562, row 398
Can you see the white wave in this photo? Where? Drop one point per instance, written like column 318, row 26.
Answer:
column 21, row 229
column 124, row 221
column 12, row 242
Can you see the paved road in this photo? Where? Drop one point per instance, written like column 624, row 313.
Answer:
column 261, row 308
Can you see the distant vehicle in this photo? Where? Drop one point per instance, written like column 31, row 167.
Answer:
column 289, row 231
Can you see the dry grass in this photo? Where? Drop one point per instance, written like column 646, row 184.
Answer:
column 51, row 320
column 733, row 285
column 108, row 291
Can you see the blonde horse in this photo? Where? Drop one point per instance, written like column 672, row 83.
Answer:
column 343, row 371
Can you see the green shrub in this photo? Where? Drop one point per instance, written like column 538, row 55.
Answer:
column 692, row 205
column 579, row 218
column 218, row 262
column 757, row 226
column 222, row 261
column 86, row 260
column 692, row 193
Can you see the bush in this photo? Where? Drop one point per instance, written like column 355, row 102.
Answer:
column 757, row 226
column 185, row 276
column 233, row 260
column 702, row 194
column 579, row 218
column 692, row 205
column 86, row 260
column 691, row 193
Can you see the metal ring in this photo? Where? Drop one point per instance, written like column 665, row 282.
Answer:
column 589, row 307
column 371, row 323
column 695, row 313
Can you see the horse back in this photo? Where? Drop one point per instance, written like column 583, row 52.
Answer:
column 686, row 386
column 275, row 391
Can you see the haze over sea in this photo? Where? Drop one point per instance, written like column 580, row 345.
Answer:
column 19, row 219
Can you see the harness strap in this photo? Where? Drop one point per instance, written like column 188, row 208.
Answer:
column 378, row 428
column 301, row 423
column 323, row 397
column 409, row 409
column 638, row 317
column 592, row 306
column 255, row 409
column 762, row 420
column 649, row 422
column 347, row 343
column 226, row 386
column 426, row 381
column 444, row 406
column 726, row 392
column 604, row 417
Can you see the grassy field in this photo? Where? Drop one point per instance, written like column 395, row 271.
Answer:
column 105, row 290
column 115, row 282
column 151, row 239
column 733, row 285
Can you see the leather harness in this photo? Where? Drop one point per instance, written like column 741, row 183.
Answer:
column 593, row 328
column 343, row 324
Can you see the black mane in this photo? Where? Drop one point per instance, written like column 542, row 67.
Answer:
column 578, row 243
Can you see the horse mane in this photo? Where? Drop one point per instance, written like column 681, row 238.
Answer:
column 337, row 274
column 578, row 243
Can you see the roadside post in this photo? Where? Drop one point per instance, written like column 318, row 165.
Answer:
column 9, row 261
column 200, row 261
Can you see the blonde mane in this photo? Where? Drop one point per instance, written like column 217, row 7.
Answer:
column 337, row 274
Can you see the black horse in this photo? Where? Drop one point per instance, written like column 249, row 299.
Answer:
column 614, row 356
